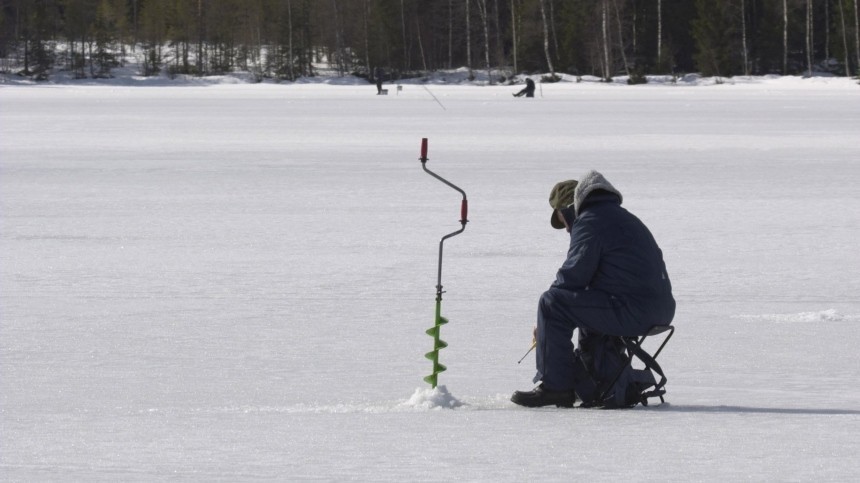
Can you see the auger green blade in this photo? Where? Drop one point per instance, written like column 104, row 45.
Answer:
column 437, row 344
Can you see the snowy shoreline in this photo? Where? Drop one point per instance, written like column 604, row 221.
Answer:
column 127, row 76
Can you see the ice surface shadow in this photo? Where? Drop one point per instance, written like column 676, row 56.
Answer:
column 758, row 410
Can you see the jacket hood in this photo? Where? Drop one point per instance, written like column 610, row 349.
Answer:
column 589, row 183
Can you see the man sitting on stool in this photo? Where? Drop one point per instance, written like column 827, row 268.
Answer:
column 613, row 282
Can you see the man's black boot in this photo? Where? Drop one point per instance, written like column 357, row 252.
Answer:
column 541, row 396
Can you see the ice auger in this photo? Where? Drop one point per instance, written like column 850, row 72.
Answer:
column 440, row 321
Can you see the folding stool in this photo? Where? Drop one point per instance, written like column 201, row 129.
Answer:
column 634, row 349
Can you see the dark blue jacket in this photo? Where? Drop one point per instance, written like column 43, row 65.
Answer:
column 612, row 251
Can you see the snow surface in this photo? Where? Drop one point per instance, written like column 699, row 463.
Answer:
column 232, row 282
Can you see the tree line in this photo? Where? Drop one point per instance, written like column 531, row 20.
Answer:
column 286, row 39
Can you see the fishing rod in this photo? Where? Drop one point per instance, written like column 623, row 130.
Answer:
column 534, row 344
column 424, row 140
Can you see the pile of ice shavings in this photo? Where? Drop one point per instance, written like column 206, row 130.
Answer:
column 435, row 398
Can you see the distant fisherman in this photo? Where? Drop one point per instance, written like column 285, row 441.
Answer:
column 528, row 90
column 379, row 73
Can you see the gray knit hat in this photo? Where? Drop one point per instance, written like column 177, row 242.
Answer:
column 561, row 197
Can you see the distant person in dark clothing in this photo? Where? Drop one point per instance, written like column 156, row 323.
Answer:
column 378, row 74
column 528, row 90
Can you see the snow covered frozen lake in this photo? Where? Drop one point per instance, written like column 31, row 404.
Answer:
column 232, row 282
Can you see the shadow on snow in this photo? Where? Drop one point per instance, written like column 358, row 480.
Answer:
column 758, row 410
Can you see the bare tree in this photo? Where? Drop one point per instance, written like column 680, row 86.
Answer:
column 482, row 11
column 659, row 32
column 744, row 37
column 514, row 17
column 406, row 65
column 450, row 33
column 370, row 73
column 784, row 37
column 420, row 45
column 500, row 50
column 844, row 39
column 605, row 35
column 552, row 26
column 857, row 36
column 809, row 36
column 338, row 58
column 290, row 53
column 200, row 27
column 134, row 24
column 546, row 39
column 621, row 37
column 469, row 42
column 827, row 30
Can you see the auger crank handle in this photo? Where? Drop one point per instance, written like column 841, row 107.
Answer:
column 464, row 205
